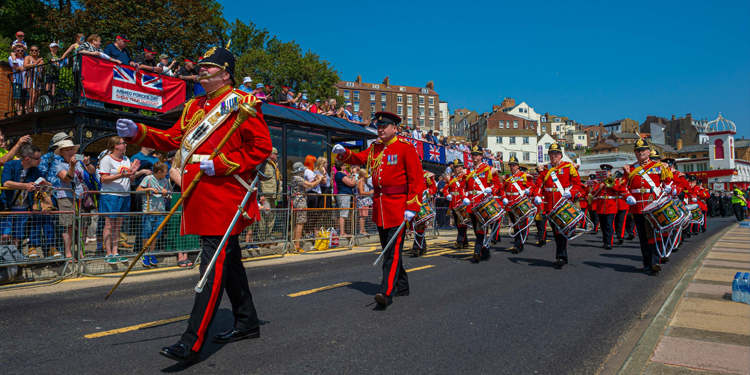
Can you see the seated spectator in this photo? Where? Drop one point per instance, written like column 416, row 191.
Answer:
column 259, row 92
column 119, row 51
column 146, row 62
column 21, row 176
column 282, row 98
column 331, row 110
column 358, row 117
column 313, row 108
column 166, row 66
column 92, row 47
column 246, row 85
column 79, row 39
column 416, row 134
column 157, row 187
column 443, row 141
column 70, row 173
column 19, row 40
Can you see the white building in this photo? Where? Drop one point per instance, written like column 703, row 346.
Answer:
column 524, row 144
column 524, row 111
column 444, row 118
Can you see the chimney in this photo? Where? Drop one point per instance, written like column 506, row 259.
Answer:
column 508, row 103
column 601, row 123
column 496, row 108
column 359, row 79
column 431, row 85
column 672, row 117
column 387, row 82
column 679, row 143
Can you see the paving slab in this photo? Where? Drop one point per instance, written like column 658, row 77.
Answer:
column 718, row 255
column 703, row 355
column 730, row 250
column 718, row 278
column 703, row 335
column 662, row 369
column 730, row 324
column 725, row 263
column 720, row 308
column 709, row 289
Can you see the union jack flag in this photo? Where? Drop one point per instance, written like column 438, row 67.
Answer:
column 434, row 153
column 153, row 82
column 123, row 74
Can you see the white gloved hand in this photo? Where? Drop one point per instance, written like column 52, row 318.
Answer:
column 667, row 190
column 505, row 201
column 449, row 197
column 630, row 200
column 466, row 202
column 526, row 192
column 695, row 199
column 126, row 128
column 675, row 191
column 566, row 194
column 488, row 191
column 408, row 215
column 208, row 166
column 537, row 200
column 339, row 149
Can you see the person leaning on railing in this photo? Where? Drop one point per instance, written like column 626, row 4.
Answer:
column 93, row 47
column 8, row 155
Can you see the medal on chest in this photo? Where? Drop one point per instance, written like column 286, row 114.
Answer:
column 392, row 159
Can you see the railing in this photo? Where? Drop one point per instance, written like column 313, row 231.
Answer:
column 84, row 251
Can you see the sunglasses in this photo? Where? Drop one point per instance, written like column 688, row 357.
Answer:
column 39, row 158
column 34, row 50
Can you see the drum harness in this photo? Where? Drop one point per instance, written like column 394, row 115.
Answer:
column 530, row 214
column 569, row 235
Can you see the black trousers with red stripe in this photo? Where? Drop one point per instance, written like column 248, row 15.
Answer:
column 461, row 237
column 541, row 228
column 479, row 233
column 608, row 230
column 594, row 218
column 229, row 274
column 630, row 225
column 620, row 218
column 394, row 275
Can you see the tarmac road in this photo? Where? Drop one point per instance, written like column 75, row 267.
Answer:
column 514, row 314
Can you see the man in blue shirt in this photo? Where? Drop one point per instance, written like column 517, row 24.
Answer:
column 118, row 50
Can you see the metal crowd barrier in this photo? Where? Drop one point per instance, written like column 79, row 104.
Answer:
column 324, row 224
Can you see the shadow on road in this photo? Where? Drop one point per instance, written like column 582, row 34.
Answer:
column 365, row 287
column 625, row 256
column 532, row 262
column 614, row 266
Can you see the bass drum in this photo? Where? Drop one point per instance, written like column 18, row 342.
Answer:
column 663, row 213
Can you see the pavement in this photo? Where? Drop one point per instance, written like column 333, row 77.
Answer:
column 513, row 314
column 699, row 329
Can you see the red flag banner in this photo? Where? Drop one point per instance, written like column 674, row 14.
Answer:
column 417, row 146
column 124, row 85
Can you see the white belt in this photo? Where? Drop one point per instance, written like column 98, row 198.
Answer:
column 550, row 189
column 606, row 197
column 196, row 158
column 513, row 194
column 641, row 191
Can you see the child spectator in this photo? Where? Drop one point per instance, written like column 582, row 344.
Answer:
column 156, row 186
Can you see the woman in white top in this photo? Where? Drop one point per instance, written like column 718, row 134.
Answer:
column 117, row 173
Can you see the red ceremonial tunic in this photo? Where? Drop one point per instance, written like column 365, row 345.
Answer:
column 545, row 186
column 455, row 189
column 583, row 195
column 621, row 184
column 508, row 187
column 210, row 207
column 397, row 178
column 639, row 188
column 430, row 184
column 605, row 200
column 700, row 194
column 474, row 191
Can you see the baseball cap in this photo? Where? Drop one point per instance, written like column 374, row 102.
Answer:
column 148, row 49
column 53, row 44
column 123, row 37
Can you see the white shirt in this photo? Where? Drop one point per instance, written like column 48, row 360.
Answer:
column 416, row 134
column 110, row 166
column 310, row 177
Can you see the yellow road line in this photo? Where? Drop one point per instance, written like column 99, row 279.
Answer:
column 137, row 327
column 420, row 268
column 439, row 253
column 311, row 291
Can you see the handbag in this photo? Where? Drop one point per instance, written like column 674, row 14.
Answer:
column 42, row 202
column 324, row 239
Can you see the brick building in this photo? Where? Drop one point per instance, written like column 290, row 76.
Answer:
column 460, row 122
column 415, row 105
column 686, row 129
column 498, row 120
column 595, row 133
column 625, row 125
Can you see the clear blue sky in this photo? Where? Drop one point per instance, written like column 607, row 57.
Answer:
column 591, row 61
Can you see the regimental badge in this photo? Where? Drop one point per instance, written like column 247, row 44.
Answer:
column 229, row 106
column 392, row 159
column 639, row 143
column 209, row 52
column 214, row 118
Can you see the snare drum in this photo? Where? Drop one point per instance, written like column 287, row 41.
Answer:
column 695, row 213
column 424, row 215
column 463, row 216
column 487, row 211
column 522, row 208
column 663, row 213
column 565, row 215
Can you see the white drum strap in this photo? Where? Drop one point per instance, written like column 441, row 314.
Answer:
column 554, row 178
column 644, row 175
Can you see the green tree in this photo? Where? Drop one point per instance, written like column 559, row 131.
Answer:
column 26, row 16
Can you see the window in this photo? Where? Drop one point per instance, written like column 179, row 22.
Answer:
column 499, row 140
column 399, row 98
column 544, row 119
column 410, row 121
column 512, row 140
column 718, row 149
column 421, row 122
column 501, row 124
column 356, row 107
column 460, row 113
column 346, row 94
column 515, row 124
column 376, row 86
column 382, row 97
column 511, row 155
column 421, row 100
column 432, row 101
column 421, row 111
column 432, row 123
column 546, row 146
column 432, row 112
column 372, row 96
column 350, row 84
column 425, row 91
column 372, row 108
column 382, row 107
column 546, row 157
column 526, row 156
column 402, row 89
column 408, row 110
column 557, row 119
column 525, row 140
column 400, row 110
column 356, row 95
column 705, row 155
column 408, row 98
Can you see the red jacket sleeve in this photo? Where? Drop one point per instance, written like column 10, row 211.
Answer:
column 351, row 158
column 254, row 149
column 414, row 178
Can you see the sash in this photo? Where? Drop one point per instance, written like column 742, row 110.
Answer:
column 644, row 175
column 208, row 125
column 559, row 186
column 515, row 185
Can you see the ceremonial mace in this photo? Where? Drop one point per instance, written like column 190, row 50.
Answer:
column 246, row 111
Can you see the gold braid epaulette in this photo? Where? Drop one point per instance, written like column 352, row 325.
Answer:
column 197, row 116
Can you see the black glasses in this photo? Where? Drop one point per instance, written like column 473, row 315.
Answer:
column 34, row 50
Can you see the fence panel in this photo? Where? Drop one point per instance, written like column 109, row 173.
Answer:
column 323, row 224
